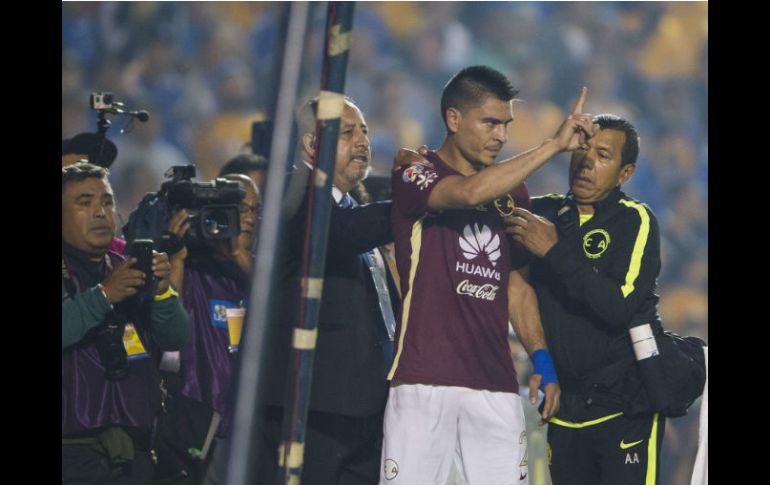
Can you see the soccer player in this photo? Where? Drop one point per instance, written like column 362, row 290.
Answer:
column 454, row 391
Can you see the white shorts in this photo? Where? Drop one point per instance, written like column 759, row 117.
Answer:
column 426, row 428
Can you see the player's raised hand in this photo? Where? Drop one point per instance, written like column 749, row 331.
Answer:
column 577, row 128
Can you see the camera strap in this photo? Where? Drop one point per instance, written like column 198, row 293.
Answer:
column 70, row 283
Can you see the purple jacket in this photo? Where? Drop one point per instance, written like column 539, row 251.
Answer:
column 207, row 366
column 89, row 399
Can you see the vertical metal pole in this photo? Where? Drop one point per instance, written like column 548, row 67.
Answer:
column 240, row 466
column 330, row 107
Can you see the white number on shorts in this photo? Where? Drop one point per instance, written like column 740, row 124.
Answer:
column 523, row 441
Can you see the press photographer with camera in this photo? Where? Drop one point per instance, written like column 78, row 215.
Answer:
column 211, row 263
column 96, row 148
column 112, row 333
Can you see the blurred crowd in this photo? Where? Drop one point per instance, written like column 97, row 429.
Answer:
column 204, row 70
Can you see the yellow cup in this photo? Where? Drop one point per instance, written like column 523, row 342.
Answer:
column 235, row 326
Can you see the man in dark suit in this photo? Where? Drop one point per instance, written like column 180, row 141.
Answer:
column 356, row 320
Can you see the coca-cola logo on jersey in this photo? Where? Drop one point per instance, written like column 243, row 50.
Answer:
column 482, row 292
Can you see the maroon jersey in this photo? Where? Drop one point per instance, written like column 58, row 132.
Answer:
column 454, row 266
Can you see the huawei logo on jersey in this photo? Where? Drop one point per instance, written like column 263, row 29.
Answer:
column 475, row 241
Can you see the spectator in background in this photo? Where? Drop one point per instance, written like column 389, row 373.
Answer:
column 224, row 133
column 74, row 113
column 605, row 81
column 80, row 34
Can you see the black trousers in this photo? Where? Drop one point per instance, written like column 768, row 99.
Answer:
column 339, row 450
column 84, row 465
column 618, row 451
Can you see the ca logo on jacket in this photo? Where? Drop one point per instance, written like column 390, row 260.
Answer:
column 595, row 243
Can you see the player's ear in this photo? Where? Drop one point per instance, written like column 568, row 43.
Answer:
column 453, row 118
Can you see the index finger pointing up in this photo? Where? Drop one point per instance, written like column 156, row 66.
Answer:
column 581, row 100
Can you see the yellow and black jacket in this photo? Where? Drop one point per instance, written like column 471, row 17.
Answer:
column 594, row 284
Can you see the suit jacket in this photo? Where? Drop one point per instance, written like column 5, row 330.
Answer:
column 349, row 377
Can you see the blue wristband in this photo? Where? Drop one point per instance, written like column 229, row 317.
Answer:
column 544, row 366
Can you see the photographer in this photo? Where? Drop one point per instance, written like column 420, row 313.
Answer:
column 110, row 384
column 214, row 277
column 91, row 147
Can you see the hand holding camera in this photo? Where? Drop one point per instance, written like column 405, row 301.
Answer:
column 161, row 268
column 178, row 226
column 123, row 282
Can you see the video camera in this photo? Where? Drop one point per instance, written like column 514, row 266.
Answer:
column 213, row 209
column 213, row 206
column 105, row 103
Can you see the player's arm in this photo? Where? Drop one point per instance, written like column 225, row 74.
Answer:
column 457, row 191
column 524, row 315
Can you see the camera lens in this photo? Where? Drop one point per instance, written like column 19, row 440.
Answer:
column 220, row 222
column 212, row 227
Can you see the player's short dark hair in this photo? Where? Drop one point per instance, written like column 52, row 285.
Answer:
column 100, row 150
column 80, row 171
column 243, row 164
column 630, row 151
column 472, row 86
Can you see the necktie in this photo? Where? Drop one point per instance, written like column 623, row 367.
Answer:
column 376, row 268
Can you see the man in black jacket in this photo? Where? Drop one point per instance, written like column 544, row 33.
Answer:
column 599, row 256
column 355, row 324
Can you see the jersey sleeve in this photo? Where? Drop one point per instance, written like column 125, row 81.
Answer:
column 411, row 186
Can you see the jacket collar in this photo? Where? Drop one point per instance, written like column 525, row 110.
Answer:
column 610, row 201
column 568, row 216
column 78, row 263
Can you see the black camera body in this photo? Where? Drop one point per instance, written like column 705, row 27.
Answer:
column 213, row 209
column 213, row 206
column 141, row 249
column 108, row 339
